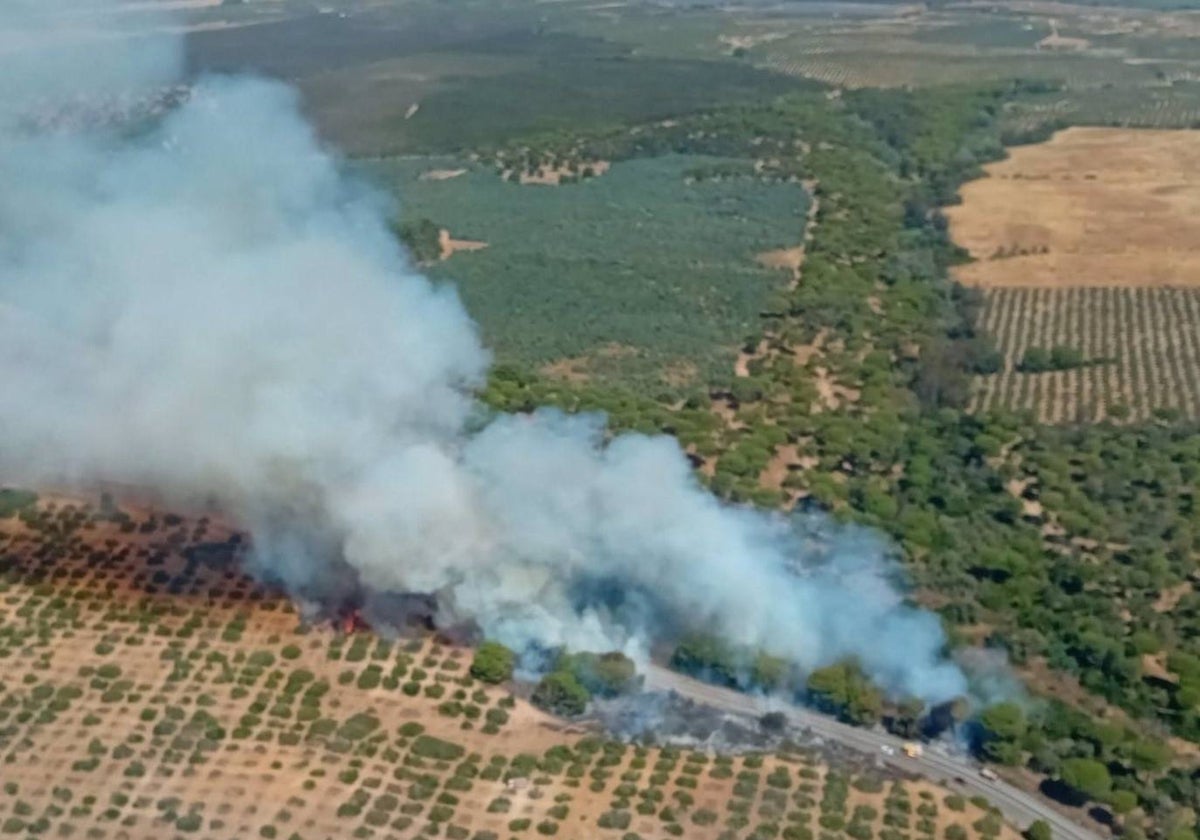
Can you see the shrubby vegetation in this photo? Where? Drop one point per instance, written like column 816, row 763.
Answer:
column 422, row 239
column 493, row 663
column 1060, row 357
column 576, row 677
column 601, row 674
column 1082, row 584
column 561, row 692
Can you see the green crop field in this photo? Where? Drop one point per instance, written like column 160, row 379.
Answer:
column 654, row 273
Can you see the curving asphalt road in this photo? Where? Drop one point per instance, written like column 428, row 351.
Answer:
column 956, row 772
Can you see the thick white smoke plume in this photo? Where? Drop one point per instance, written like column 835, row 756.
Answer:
column 213, row 308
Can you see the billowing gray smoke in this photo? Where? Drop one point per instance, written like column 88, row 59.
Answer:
column 213, row 308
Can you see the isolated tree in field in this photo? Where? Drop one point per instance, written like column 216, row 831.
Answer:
column 1122, row 801
column 773, row 722
column 1065, row 358
column 493, row 663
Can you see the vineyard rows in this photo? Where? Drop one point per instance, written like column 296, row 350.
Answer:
column 1140, row 107
column 1143, row 345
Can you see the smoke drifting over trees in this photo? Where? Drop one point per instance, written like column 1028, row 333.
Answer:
column 212, row 308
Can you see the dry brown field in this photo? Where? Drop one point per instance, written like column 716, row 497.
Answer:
column 150, row 689
column 1090, row 207
column 1090, row 241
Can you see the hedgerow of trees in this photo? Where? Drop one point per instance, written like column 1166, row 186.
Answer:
column 1084, row 585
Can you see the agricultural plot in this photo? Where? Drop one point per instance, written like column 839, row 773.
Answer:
column 1167, row 105
column 1140, row 352
column 434, row 77
column 1088, row 243
column 888, row 45
column 855, row 67
column 150, row 690
column 943, row 48
column 1091, row 207
column 644, row 274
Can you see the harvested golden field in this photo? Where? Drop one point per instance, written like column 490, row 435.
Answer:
column 1091, row 207
column 151, row 690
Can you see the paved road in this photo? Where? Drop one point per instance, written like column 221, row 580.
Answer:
column 1018, row 807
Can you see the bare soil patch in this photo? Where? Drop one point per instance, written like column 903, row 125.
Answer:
column 680, row 374
column 442, row 174
column 832, row 394
column 749, row 42
column 1169, row 598
column 786, row 258
column 451, row 246
column 1091, row 207
column 1062, row 43
column 581, row 368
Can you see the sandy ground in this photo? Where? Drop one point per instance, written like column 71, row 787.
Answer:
column 451, row 246
column 1091, row 207
column 442, row 174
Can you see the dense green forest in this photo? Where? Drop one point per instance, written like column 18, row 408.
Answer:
column 1075, row 593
